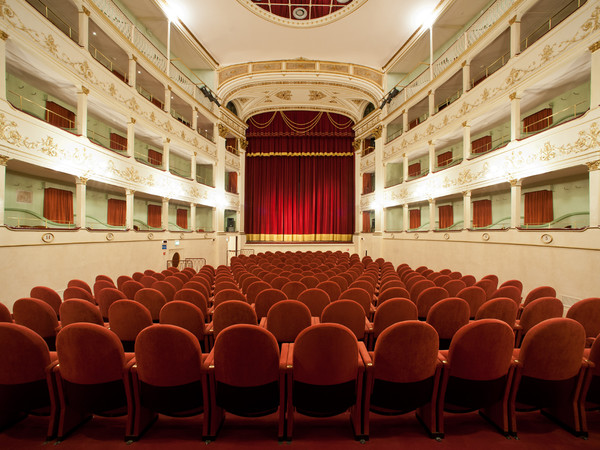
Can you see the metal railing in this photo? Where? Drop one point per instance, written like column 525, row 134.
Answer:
column 55, row 19
column 104, row 141
column 180, row 117
column 184, row 173
column 449, row 163
column 232, row 149
column 38, row 111
column 145, row 159
column 23, row 218
column 424, row 171
column 149, row 96
column 490, row 69
column 108, row 63
column 448, row 100
column 367, row 151
column 205, row 180
column 556, row 118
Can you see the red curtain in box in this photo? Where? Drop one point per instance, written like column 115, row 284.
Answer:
column 444, row 159
column 231, row 145
column 154, row 216
column 182, row 220
column 366, row 222
column 231, row 183
column 482, row 213
column 538, row 121
column 299, row 179
column 154, row 157
column 118, row 142
column 58, row 205
column 59, row 116
column 481, row 145
column 116, row 212
column 445, row 216
column 414, row 218
column 368, row 185
column 414, row 169
column 539, row 207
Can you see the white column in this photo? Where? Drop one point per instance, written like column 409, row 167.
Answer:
column 431, row 156
column 193, row 216
column 404, row 121
column 167, row 104
column 132, row 76
column 405, row 217
column 358, row 186
column 515, row 36
column 129, row 193
column 431, row 103
column 515, row 116
column 84, row 26
column 131, row 137
column 3, row 162
column 515, row 203
column 193, row 166
column 242, row 184
column 80, row 211
column 379, row 178
column 219, row 177
column 165, row 157
column 466, row 140
column 594, row 168
column 195, row 118
column 3, row 38
column 467, row 221
column 432, row 214
column 164, row 214
column 466, row 75
column 81, row 119
column 404, row 167
column 595, row 84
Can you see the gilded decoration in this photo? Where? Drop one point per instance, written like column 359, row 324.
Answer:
column 315, row 95
column 400, row 195
column 595, row 46
column 344, row 68
column 270, row 66
column 377, row 132
column 357, row 144
column 593, row 165
column 301, row 65
column 223, row 130
column 243, row 144
column 4, row 160
column 284, row 95
column 466, row 176
column 130, row 174
column 3, row 35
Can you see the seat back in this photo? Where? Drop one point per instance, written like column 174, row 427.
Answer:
column 293, row 289
column 392, row 311
column 5, row 315
column 363, row 284
column 81, row 284
column 538, row 292
column 419, row 287
column 279, row 282
column 152, row 299
column 232, row 312
column 78, row 292
column 469, row 280
column 315, row 299
column 165, row 288
column 454, row 287
column 502, row 308
column 265, row 301
column 488, row 285
column 48, row 295
column 287, row 318
column 254, row 289
column 348, row 313
column 203, row 288
column 127, row 318
column 130, row 287
column 392, row 292
column 194, row 297
column 587, row 313
column 510, row 292
column 332, row 289
column 37, row 315
column 229, row 294
column 447, row 317
column 102, row 284
column 474, row 296
column 174, row 281
column 23, row 353
column 147, row 281
column 360, row 296
column 428, row 298
column 516, row 283
column 121, row 281
column 341, row 282
column 185, row 315
column 107, row 297
column 539, row 310
column 76, row 310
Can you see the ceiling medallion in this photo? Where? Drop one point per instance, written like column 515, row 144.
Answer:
column 290, row 13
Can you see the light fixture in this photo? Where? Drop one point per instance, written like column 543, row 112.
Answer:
column 424, row 17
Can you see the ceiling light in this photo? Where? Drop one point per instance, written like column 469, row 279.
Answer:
column 424, row 17
column 173, row 10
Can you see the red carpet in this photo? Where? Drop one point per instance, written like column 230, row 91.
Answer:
column 465, row 431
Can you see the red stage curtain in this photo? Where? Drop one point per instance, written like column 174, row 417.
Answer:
column 482, row 213
column 116, row 212
column 154, row 157
column 444, row 159
column 414, row 169
column 481, row 145
column 446, row 216
column 299, row 180
column 538, row 207
column 154, row 216
column 366, row 219
column 58, row 205
column 182, row 218
column 118, row 142
column 538, row 121
column 415, row 218
column 59, row 116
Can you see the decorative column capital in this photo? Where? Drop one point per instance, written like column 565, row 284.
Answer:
column 85, row 11
column 131, row 121
column 513, row 96
column 431, row 201
column 4, row 160
column 512, row 20
column 165, row 199
column 356, row 144
column 223, row 130
column 3, row 35
column 466, row 124
column 593, row 165
column 167, row 140
column 466, row 193
column 133, row 58
column 243, row 144
column 378, row 131
column 84, row 90
column 464, row 63
column 595, row 46
column 129, row 192
column 514, row 182
column 82, row 180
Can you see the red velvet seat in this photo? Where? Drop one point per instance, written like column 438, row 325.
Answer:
column 493, row 278
column 48, row 295
column 503, row 308
column 587, row 313
column 121, row 281
column 362, row 297
column 196, row 298
column 350, row 314
column 187, row 315
column 24, row 387
column 265, row 300
column 309, row 281
column 232, row 312
column 550, row 374
column 454, row 287
column 447, row 317
column 104, row 278
column 254, row 289
column 247, row 283
column 147, row 281
column 137, row 276
column 165, row 288
column 107, row 297
column 392, row 292
column 592, row 398
column 510, row 292
column 183, row 276
column 418, row 287
column 81, row 284
column 37, row 315
column 389, row 283
column 488, row 285
column 441, row 280
column 246, row 377
column 366, row 285
column 92, row 377
column 474, row 296
column 77, row 292
column 286, row 319
column 293, row 289
column 279, row 282
column 469, row 280
column 535, row 312
column 478, row 372
column 126, row 319
column 152, row 299
column 130, row 287
column 228, row 294
column 167, row 377
column 203, row 288
column 332, row 289
column 427, row 298
column 326, row 366
column 392, row 311
column 102, row 284
column 538, row 292
column 315, row 299
column 516, row 283
column 405, row 375
column 174, row 281
column 5, row 315
column 340, row 281
column 76, row 310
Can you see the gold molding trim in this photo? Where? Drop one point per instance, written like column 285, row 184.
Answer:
column 223, row 130
column 377, row 131
column 512, row 96
column 3, row 35
column 593, row 165
column 595, row 46
column 4, row 160
column 243, row 144
column 86, row 11
column 512, row 20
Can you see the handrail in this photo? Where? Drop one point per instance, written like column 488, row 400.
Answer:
column 107, row 62
column 147, row 227
column 450, row 163
column 554, row 123
column 555, row 221
column 44, row 221
column 490, row 69
column 103, row 141
column 20, row 107
column 43, row 9
column 104, row 225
